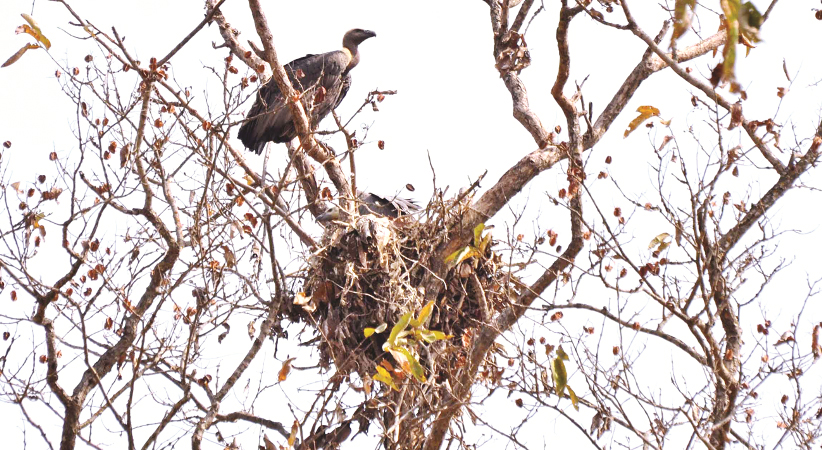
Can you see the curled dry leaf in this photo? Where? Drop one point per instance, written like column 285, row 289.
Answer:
column 305, row 301
column 19, row 54
column 285, row 370
column 736, row 115
column 645, row 113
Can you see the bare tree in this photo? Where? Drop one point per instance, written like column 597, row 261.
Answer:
column 171, row 242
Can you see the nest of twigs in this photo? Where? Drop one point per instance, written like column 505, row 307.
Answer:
column 370, row 272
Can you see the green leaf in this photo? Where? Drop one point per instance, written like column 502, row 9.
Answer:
column 453, row 256
column 731, row 10
column 398, row 328
column 478, row 234
column 559, row 373
column 750, row 20
column 683, row 13
column 461, row 255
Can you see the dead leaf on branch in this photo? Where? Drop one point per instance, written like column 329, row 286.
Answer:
column 285, row 370
column 645, row 113
column 19, row 54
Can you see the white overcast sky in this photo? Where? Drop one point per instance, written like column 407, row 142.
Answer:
column 451, row 103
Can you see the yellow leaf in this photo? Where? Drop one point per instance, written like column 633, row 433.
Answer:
column 658, row 240
column 368, row 332
column 385, row 378
column 34, row 30
column 461, row 255
column 19, row 54
column 645, row 113
column 424, row 313
column 248, row 179
column 483, row 245
column 559, row 372
column 478, row 233
column 453, row 256
column 574, row 399
column 285, row 369
column 433, row 336
column 293, row 436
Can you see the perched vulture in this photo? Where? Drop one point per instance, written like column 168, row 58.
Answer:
column 323, row 81
column 374, row 204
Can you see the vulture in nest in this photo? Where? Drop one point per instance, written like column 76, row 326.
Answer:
column 323, row 80
column 374, row 204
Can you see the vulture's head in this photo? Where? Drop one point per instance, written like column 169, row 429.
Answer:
column 354, row 37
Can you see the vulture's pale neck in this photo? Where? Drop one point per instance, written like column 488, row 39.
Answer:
column 350, row 49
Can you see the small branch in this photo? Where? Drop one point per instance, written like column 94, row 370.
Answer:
column 211, row 11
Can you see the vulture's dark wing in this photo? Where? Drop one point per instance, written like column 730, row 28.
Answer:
column 377, row 205
column 394, row 207
column 269, row 120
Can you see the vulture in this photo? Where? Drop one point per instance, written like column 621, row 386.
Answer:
column 323, row 80
column 374, row 204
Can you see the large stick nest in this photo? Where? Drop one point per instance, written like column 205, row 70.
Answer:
column 370, row 271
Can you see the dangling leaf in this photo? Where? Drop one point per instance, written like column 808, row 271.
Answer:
column 645, row 113
column 750, row 20
column 19, row 54
column 559, row 375
column 683, row 13
column 659, row 240
column 574, row 399
column 731, row 10
column 285, row 370
column 292, row 438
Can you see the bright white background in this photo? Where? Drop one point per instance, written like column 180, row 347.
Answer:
column 451, row 104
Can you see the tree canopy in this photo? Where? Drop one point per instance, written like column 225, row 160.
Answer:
column 616, row 243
